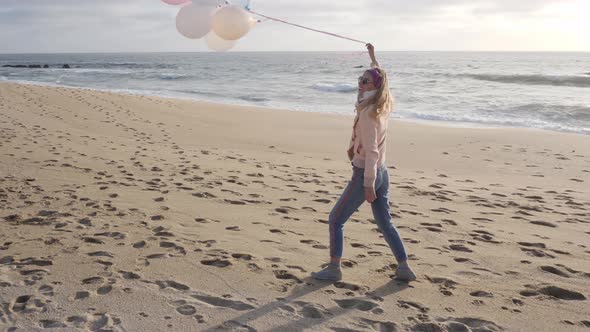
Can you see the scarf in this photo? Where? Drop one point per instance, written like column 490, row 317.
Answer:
column 364, row 100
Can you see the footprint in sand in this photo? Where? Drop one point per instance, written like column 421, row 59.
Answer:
column 554, row 270
column 129, row 275
column 305, row 309
column 232, row 325
column 374, row 325
column 484, row 236
column 222, row 302
column 246, row 257
column 171, row 284
column 160, row 231
column 543, row 223
column 481, row 294
column 459, row 247
column 456, row 324
column 285, row 209
column 216, row 262
column 552, row 291
column 104, row 290
column 46, row 290
column 433, row 227
column 27, row 304
column 322, row 200
column 413, row 305
column 286, row 275
column 81, row 295
column 464, row 260
column 51, row 324
column 184, row 309
column 95, row 322
column 357, row 304
column 139, row 244
column 534, row 249
column 444, row 285
column 348, row 263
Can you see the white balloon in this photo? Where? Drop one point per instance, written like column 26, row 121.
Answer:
column 231, row 22
column 217, row 43
column 194, row 20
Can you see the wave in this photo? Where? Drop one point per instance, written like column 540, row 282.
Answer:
column 458, row 119
column 125, row 65
column 171, row 76
column 559, row 117
column 554, row 80
column 335, row 87
column 94, row 71
column 130, row 73
column 553, row 113
column 253, row 98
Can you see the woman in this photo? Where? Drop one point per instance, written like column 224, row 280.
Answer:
column 370, row 180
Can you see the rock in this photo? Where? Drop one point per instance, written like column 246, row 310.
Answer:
column 66, row 66
column 25, row 66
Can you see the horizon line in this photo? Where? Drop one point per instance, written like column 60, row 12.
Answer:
column 339, row 51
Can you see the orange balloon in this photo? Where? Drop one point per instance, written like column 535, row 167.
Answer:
column 231, row 22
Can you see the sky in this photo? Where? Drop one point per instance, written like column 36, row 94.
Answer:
column 71, row 26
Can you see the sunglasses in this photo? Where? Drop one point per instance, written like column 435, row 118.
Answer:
column 364, row 80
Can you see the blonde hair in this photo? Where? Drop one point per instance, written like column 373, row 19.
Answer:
column 383, row 99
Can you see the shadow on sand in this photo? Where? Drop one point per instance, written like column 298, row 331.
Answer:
column 310, row 285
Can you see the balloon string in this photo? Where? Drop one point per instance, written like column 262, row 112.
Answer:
column 303, row 27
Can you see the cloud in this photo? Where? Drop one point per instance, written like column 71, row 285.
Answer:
column 403, row 7
column 148, row 25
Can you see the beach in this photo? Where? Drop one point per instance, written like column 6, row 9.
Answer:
column 138, row 213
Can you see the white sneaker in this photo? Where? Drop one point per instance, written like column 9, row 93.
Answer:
column 404, row 272
column 331, row 272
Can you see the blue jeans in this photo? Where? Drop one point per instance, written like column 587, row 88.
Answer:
column 352, row 198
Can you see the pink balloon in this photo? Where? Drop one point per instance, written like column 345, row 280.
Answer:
column 194, row 20
column 175, row 2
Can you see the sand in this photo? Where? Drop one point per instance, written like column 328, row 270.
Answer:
column 138, row 213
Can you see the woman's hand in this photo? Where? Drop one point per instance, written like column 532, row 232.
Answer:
column 350, row 153
column 370, row 195
column 371, row 50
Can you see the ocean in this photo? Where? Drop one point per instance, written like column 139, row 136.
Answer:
column 548, row 91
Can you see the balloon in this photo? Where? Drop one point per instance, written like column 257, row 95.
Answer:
column 217, row 43
column 194, row 20
column 175, row 2
column 231, row 22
